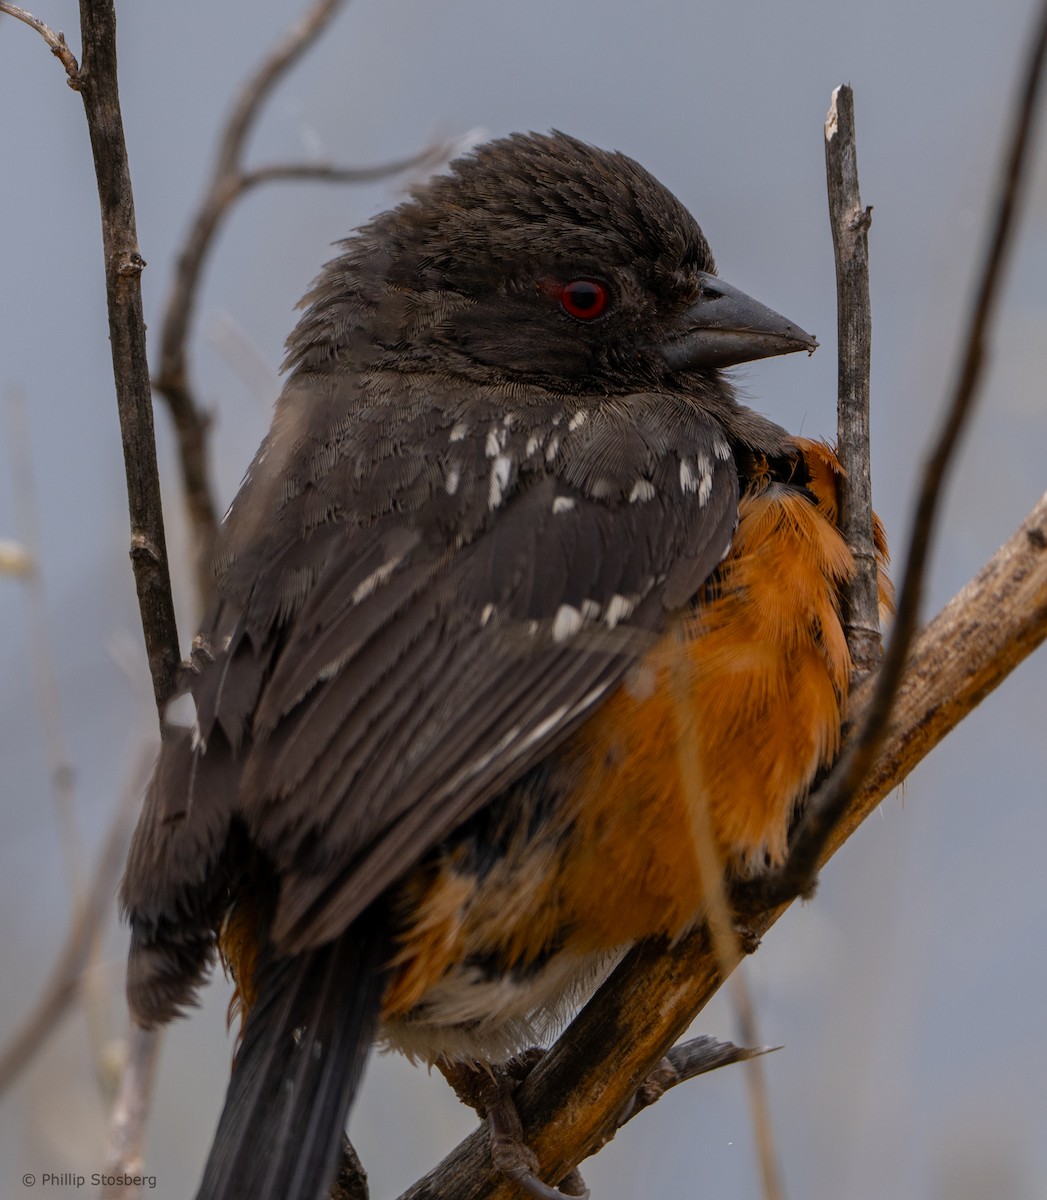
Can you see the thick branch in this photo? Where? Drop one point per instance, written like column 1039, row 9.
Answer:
column 123, row 268
column 850, row 229
column 570, row 1103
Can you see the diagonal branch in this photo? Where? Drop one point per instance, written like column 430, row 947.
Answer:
column 67, row 975
column 56, row 41
column 569, row 1104
column 172, row 379
column 230, row 181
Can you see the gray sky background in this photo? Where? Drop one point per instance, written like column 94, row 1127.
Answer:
column 909, row 995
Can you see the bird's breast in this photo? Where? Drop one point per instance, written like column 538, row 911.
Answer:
column 695, row 764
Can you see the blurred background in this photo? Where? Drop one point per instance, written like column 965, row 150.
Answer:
column 908, row 997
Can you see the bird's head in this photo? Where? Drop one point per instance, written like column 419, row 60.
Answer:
column 541, row 259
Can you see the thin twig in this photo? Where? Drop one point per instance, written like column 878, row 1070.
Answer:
column 325, row 172
column 45, row 676
column 49, row 705
column 67, row 975
column 724, row 937
column 850, row 229
column 259, row 85
column 172, row 381
column 230, row 181
column 571, row 1100
column 56, row 41
column 697, row 1056
column 123, row 269
column 861, row 749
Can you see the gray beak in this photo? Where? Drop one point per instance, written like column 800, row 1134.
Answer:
column 725, row 326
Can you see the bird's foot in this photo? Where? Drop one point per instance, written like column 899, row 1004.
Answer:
column 489, row 1089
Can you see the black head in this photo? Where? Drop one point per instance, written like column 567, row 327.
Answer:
column 542, row 259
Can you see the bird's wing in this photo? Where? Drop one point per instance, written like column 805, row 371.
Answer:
column 378, row 699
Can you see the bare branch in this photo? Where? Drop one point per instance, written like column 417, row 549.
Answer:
column 172, row 380
column 257, row 88
column 67, row 975
column 324, row 172
column 570, row 1102
column 688, row 1060
column 861, row 749
column 850, row 229
column 45, row 675
column 123, row 269
column 229, row 182
column 56, row 41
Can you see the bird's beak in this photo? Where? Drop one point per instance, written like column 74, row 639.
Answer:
column 725, row 326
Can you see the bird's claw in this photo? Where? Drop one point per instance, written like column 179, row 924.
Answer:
column 510, row 1154
column 533, row 1186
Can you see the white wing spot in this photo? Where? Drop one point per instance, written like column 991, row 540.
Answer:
column 705, row 479
column 364, row 589
column 552, row 447
column 590, row 610
column 501, row 469
column 578, row 420
column 618, row 608
column 532, row 445
column 452, row 480
column 698, row 478
column 562, row 504
column 486, row 614
column 643, row 489
column 721, row 450
column 566, row 623
column 458, row 431
column 688, row 481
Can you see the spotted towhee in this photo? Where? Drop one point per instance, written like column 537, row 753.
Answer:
column 511, row 559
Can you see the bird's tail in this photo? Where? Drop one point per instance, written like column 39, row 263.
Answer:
column 305, row 1042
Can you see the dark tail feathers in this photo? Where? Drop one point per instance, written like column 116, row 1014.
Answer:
column 305, row 1043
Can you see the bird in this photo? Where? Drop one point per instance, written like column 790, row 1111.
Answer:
column 511, row 560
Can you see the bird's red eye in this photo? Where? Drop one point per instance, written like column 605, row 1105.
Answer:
column 584, row 299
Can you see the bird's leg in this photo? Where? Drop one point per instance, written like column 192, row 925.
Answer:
column 489, row 1090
